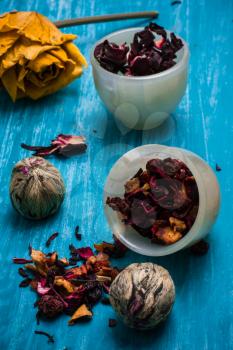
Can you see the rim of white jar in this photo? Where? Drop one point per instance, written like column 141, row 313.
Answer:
column 199, row 221
column 181, row 63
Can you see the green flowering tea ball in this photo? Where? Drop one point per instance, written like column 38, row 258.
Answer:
column 37, row 188
column 143, row 295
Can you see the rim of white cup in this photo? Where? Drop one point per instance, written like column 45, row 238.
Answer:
column 168, row 71
column 183, row 242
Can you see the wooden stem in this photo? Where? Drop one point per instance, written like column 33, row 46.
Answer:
column 105, row 18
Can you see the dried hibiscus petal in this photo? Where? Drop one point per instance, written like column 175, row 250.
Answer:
column 85, row 253
column 65, row 145
column 51, row 238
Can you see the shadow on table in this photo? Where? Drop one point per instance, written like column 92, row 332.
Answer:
column 116, row 132
column 125, row 337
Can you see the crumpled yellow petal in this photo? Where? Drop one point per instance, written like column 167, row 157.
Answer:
column 66, row 76
column 35, row 27
column 62, row 282
column 43, row 61
column 8, row 79
column 23, row 49
column 75, row 54
column 7, row 40
column 81, row 312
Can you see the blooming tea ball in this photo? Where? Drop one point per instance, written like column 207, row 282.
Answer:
column 37, row 188
column 143, row 295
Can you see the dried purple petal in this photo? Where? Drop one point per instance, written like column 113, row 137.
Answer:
column 218, row 167
column 112, row 57
column 21, row 261
column 65, row 145
column 77, row 234
column 50, row 337
column 85, row 252
column 22, row 272
column 112, row 322
column 50, row 239
column 25, row 283
column 176, row 2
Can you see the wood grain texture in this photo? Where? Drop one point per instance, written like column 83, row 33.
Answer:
column 202, row 317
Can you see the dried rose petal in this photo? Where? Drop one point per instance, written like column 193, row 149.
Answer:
column 85, row 252
column 112, row 322
column 65, row 145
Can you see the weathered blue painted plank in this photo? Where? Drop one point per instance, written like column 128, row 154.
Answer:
column 203, row 314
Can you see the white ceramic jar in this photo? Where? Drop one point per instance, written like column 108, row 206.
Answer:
column 209, row 197
column 141, row 102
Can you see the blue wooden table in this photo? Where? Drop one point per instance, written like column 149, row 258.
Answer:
column 202, row 317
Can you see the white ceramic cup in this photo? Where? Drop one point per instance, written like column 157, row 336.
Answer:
column 129, row 164
column 145, row 102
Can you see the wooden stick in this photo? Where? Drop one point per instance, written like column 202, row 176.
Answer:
column 105, row 18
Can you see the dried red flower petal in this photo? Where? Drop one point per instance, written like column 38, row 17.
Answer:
column 25, row 283
column 85, row 252
column 112, row 322
column 50, row 239
column 50, row 337
column 65, row 145
column 22, row 272
column 21, row 261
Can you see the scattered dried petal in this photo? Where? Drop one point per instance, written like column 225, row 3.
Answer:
column 80, row 313
column 21, row 261
column 22, row 272
column 62, row 282
column 85, row 253
column 218, row 167
column 112, row 322
column 51, row 238
column 65, row 145
column 175, row 2
column 50, row 337
column 25, row 283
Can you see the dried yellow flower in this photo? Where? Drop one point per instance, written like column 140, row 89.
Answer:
column 36, row 58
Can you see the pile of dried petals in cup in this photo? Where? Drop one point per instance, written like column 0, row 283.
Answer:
column 71, row 286
column 161, row 202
